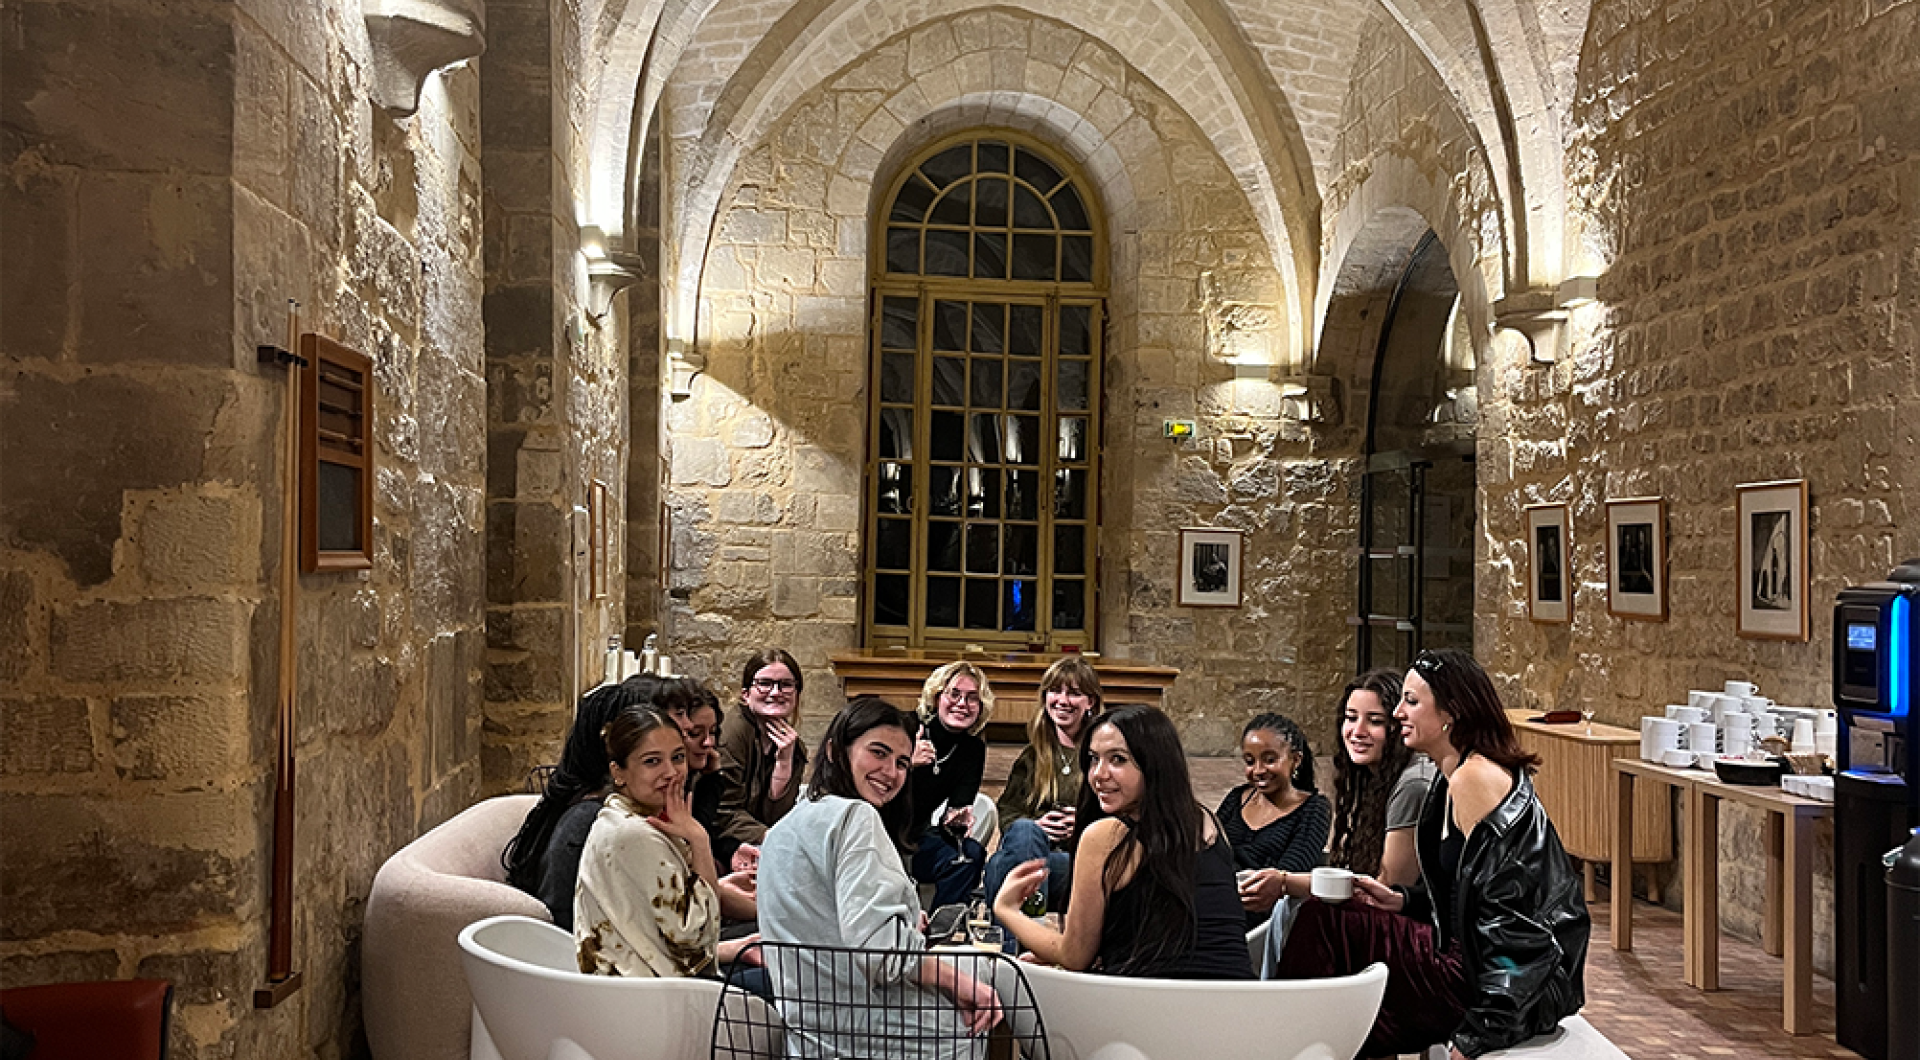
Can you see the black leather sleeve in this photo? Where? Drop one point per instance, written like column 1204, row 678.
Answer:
column 1518, row 955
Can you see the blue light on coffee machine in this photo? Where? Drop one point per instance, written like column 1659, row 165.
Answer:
column 1899, row 655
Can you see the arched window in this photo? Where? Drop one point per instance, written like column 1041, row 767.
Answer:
column 982, row 506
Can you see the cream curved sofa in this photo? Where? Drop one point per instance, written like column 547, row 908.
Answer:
column 412, row 989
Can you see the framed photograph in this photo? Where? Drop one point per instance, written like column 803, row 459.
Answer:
column 1209, row 567
column 1637, row 558
column 1771, row 519
column 1549, row 585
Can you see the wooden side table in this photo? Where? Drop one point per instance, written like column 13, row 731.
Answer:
column 1573, row 784
column 1628, row 809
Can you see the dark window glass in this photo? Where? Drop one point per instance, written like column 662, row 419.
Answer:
column 1023, row 385
column 1023, row 331
column 1022, row 552
column 1035, row 170
column 896, row 434
column 1070, row 387
column 946, row 253
column 1073, row 439
column 950, row 381
column 990, row 202
column 989, row 324
column 890, row 593
column 1023, row 495
column 944, row 488
column 983, row 438
column 895, row 489
column 949, row 434
column 986, row 382
column 993, row 157
column 1070, row 494
column 900, row 323
column 1076, row 330
column 896, row 378
column 983, row 603
column 989, row 256
column 943, row 545
column 893, row 547
column 911, row 204
column 983, row 548
column 1069, row 209
column 1070, row 549
column 1023, row 439
column 955, row 207
column 949, row 165
column 983, row 493
column 903, row 250
column 1029, row 210
column 949, row 325
column 1019, row 605
column 1076, row 259
column 1069, row 604
column 1032, row 256
column 943, row 602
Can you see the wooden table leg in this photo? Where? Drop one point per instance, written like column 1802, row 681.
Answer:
column 1623, row 862
column 1798, row 972
column 1776, row 824
column 1709, row 851
column 1590, row 881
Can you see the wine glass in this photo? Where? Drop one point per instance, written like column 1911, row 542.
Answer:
column 1587, row 713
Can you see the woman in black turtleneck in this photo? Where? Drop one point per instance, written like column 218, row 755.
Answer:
column 948, row 759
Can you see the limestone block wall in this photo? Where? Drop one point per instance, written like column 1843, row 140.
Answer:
column 1747, row 180
column 766, row 454
column 174, row 175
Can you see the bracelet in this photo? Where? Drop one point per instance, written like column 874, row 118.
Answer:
column 1283, row 883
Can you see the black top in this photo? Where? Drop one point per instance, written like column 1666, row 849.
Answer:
column 953, row 777
column 705, row 800
column 1295, row 843
column 560, row 865
column 1220, row 933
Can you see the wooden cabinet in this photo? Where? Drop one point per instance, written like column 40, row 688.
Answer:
column 1576, row 785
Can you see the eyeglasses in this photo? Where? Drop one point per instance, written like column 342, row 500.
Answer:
column 971, row 699
column 1427, row 662
column 770, row 685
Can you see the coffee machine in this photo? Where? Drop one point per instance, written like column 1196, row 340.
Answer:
column 1876, row 793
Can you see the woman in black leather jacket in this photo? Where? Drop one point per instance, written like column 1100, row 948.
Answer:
column 1492, row 945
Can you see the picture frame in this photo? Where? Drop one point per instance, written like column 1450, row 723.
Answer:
column 1549, row 554
column 1210, row 562
column 1637, row 558
column 1770, row 519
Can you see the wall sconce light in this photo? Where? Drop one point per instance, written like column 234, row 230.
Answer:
column 609, row 271
column 1576, row 291
column 1311, row 399
column 1537, row 315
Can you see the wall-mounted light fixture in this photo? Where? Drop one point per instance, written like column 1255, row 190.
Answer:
column 1311, row 399
column 1576, row 291
column 609, row 271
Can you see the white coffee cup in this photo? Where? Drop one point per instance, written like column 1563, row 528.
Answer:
column 1332, row 884
column 1826, row 723
column 1676, row 759
column 1802, row 743
column 1737, row 735
column 1701, row 699
column 1657, row 737
column 1740, row 688
column 1703, row 738
column 1687, row 715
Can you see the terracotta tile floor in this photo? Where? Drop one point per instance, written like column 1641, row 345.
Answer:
column 1636, row 999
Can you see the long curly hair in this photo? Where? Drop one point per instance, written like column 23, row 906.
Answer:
column 1070, row 671
column 1361, row 792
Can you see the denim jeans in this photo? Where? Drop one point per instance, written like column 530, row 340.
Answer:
column 953, row 870
column 1021, row 842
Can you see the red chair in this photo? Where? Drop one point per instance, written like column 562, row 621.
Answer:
column 121, row 1020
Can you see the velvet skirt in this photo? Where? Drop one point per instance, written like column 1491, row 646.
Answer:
column 1426, row 986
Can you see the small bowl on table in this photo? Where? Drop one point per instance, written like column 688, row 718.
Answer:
column 1749, row 772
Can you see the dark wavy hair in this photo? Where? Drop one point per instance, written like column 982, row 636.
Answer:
column 1165, row 837
column 833, row 767
column 1480, row 726
column 631, row 725
column 1360, row 793
column 581, row 774
column 1285, row 728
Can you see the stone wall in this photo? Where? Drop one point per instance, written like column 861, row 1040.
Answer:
column 174, row 176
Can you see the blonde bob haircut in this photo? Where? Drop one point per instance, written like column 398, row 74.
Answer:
column 937, row 683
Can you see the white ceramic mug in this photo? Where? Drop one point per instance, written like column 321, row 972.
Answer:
column 1657, row 737
column 1703, row 738
column 1803, row 736
column 1741, row 688
column 1332, row 884
column 1687, row 715
column 1700, row 699
column 1737, row 735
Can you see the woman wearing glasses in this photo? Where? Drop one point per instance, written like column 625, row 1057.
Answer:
column 948, row 759
column 1487, row 947
column 761, row 760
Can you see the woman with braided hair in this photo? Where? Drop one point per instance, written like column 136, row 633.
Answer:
column 1276, row 821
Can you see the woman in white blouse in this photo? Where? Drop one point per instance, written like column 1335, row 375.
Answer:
column 645, row 903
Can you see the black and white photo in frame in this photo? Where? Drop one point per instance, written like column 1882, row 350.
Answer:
column 1637, row 558
column 1549, row 552
column 1210, row 567
column 1771, row 521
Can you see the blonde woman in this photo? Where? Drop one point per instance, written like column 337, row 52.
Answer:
column 948, row 759
column 1037, row 805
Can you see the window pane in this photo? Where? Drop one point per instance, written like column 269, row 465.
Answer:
column 950, row 381
column 1019, row 605
column 983, row 493
column 949, row 165
column 1034, row 170
column 990, row 203
column 1070, row 494
column 1029, row 210
column 890, row 599
column 896, row 434
column 339, row 503
column 1023, row 385
column 1070, row 548
column 948, row 436
column 983, row 439
column 986, row 382
column 1068, row 208
column 1069, row 604
column 949, row 325
column 1024, row 330
column 993, row 157
column 1076, row 259
column 1023, row 439
column 989, row 326
column 989, row 256
column 896, row 378
column 1076, row 330
column 895, row 489
column 1073, row 439
column 911, row 204
column 983, row 548
column 943, row 602
column 943, row 545
column 946, row 253
column 893, row 546
column 900, row 323
column 983, row 603
column 945, row 489
column 955, row 207
column 1023, row 495
column 1032, row 256
column 1070, row 386
column 1022, row 552
column 903, row 250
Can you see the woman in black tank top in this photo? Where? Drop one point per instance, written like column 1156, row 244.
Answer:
column 1153, row 888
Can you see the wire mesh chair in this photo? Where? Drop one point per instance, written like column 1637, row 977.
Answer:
column 538, row 778
column 837, row 1003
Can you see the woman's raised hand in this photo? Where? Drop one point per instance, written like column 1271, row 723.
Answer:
column 746, row 857
column 1021, row 883
column 784, row 737
column 923, row 754
column 676, row 817
column 1260, row 889
column 1369, row 891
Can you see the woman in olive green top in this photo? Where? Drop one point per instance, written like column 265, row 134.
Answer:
column 1036, row 806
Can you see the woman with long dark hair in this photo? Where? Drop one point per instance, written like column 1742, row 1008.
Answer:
column 1153, row 889
column 833, row 878
column 1379, row 783
column 1276, row 821
column 1037, row 805
column 1492, row 945
column 761, row 759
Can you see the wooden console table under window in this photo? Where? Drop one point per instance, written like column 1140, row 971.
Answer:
column 898, row 674
column 1573, row 783
column 1787, row 923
